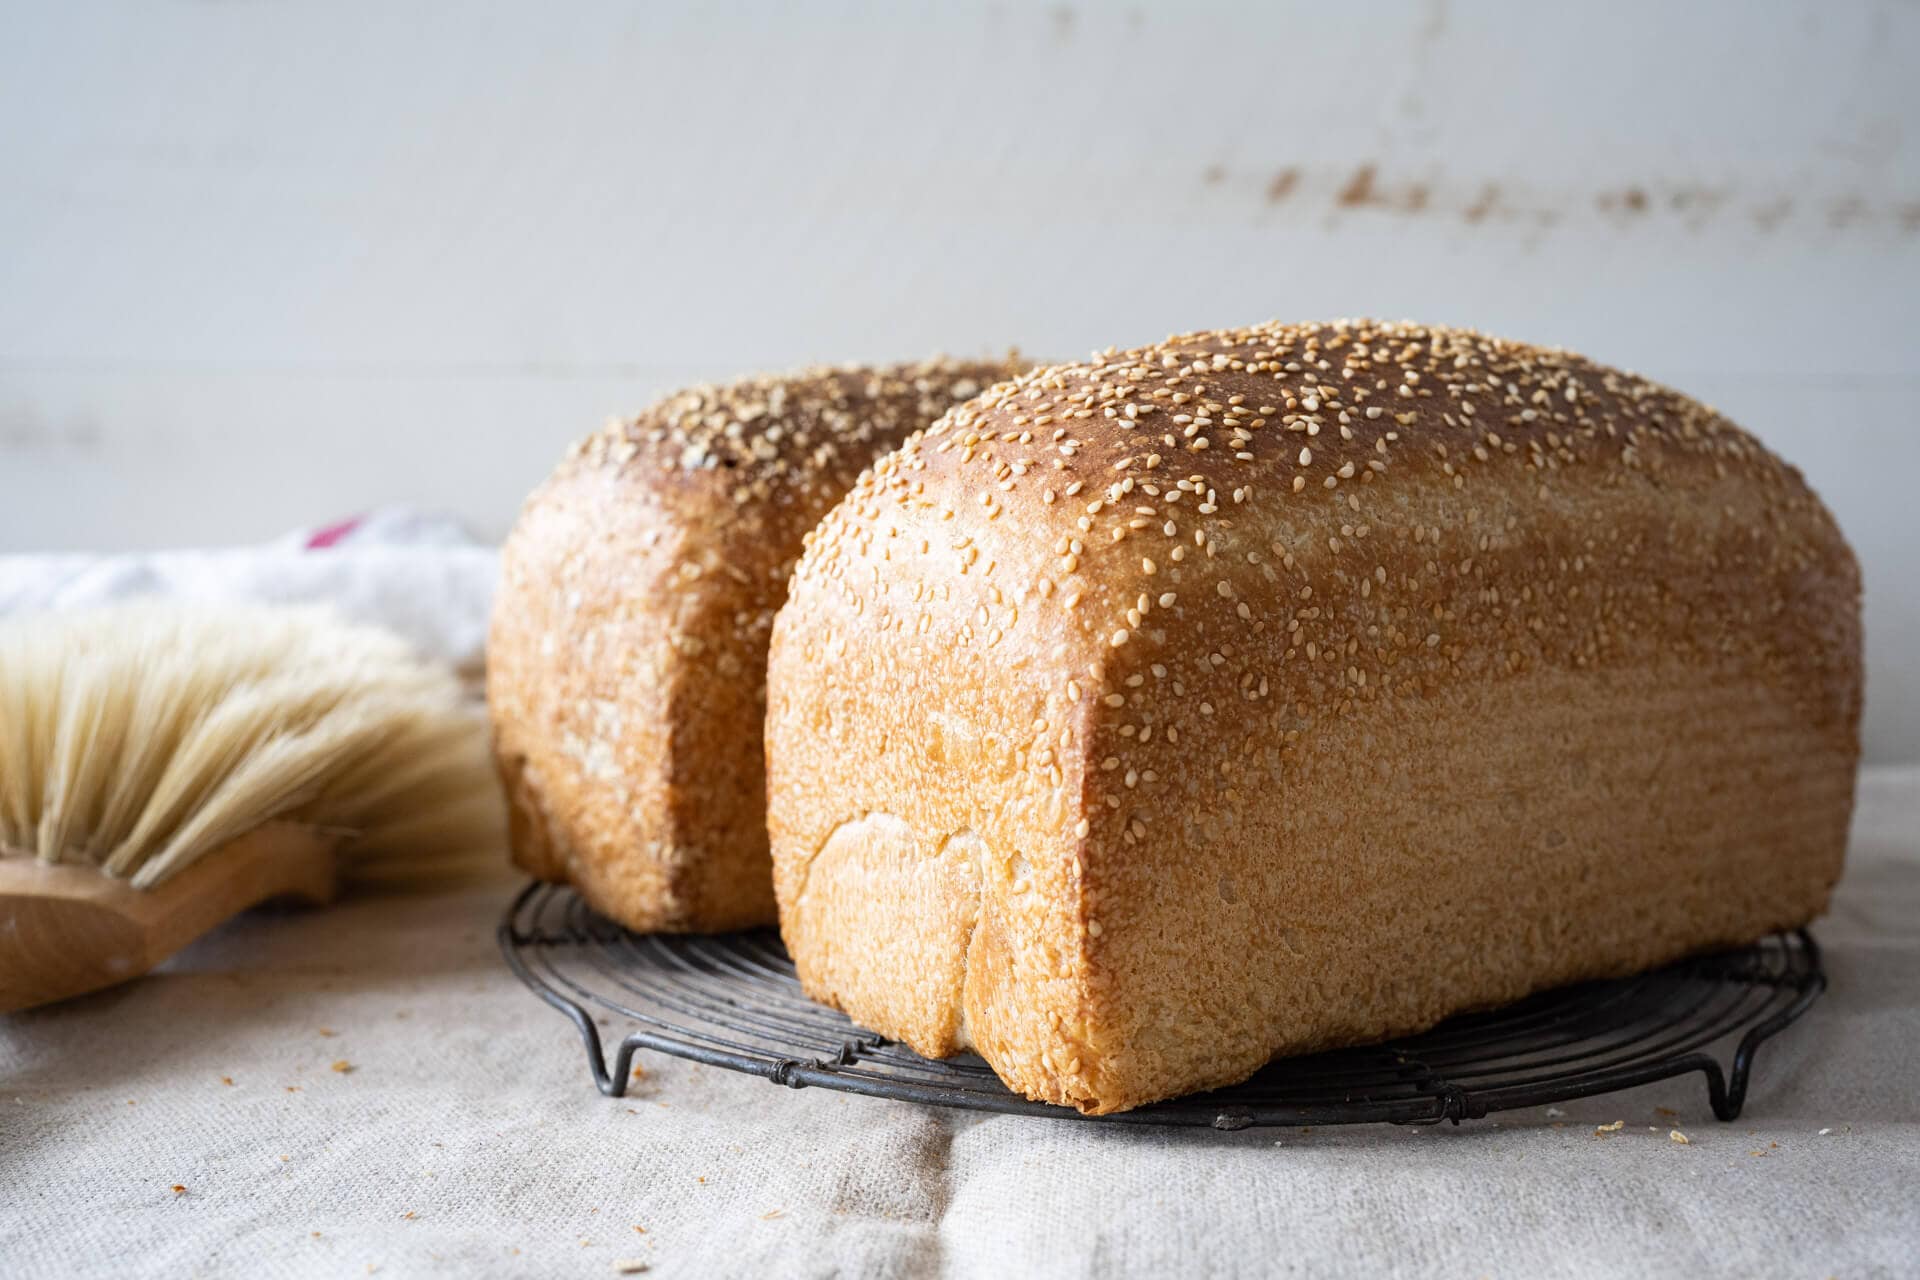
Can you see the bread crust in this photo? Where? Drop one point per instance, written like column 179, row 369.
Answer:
column 1296, row 686
column 627, row 655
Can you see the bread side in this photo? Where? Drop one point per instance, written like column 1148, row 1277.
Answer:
column 626, row 663
column 1287, row 687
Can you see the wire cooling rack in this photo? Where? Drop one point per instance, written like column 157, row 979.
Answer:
column 731, row 1000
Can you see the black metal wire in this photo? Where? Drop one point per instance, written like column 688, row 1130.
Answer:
column 732, row 1001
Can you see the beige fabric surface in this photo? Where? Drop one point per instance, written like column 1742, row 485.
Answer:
column 462, row 1136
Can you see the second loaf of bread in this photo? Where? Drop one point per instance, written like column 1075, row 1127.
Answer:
column 626, row 665
column 1294, row 686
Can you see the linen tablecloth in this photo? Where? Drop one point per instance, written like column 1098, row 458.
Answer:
column 365, row 1089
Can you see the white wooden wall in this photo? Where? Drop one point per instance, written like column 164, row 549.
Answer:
column 270, row 263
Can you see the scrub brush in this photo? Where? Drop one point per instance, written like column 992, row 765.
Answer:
column 164, row 766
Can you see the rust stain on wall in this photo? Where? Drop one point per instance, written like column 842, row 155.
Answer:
column 1359, row 189
column 1483, row 204
column 1363, row 189
column 1694, row 205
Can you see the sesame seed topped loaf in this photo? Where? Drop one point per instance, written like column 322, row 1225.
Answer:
column 627, row 661
column 1279, row 688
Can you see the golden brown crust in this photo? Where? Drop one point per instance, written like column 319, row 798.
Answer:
column 1299, row 685
column 627, row 658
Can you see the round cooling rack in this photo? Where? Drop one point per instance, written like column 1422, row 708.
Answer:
column 731, row 1000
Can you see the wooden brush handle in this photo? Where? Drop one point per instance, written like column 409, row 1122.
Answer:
column 68, row 930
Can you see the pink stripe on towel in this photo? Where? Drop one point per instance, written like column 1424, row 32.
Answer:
column 328, row 535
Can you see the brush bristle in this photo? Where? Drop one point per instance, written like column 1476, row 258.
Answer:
column 141, row 737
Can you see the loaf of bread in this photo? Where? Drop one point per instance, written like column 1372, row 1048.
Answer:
column 626, row 667
column 1281, row 688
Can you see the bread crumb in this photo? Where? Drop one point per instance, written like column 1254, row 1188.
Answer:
column 409, row 1215
column 226, row 1079
column 1679, row 1137
column 1615, row 1127
column 771, row 1213
column 178, row 1189
column 1825, row 1132
column 631, row 1266
column 1665, row 1111
column 1554, row 1111
column 328, row 1031
column 342, row 1066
